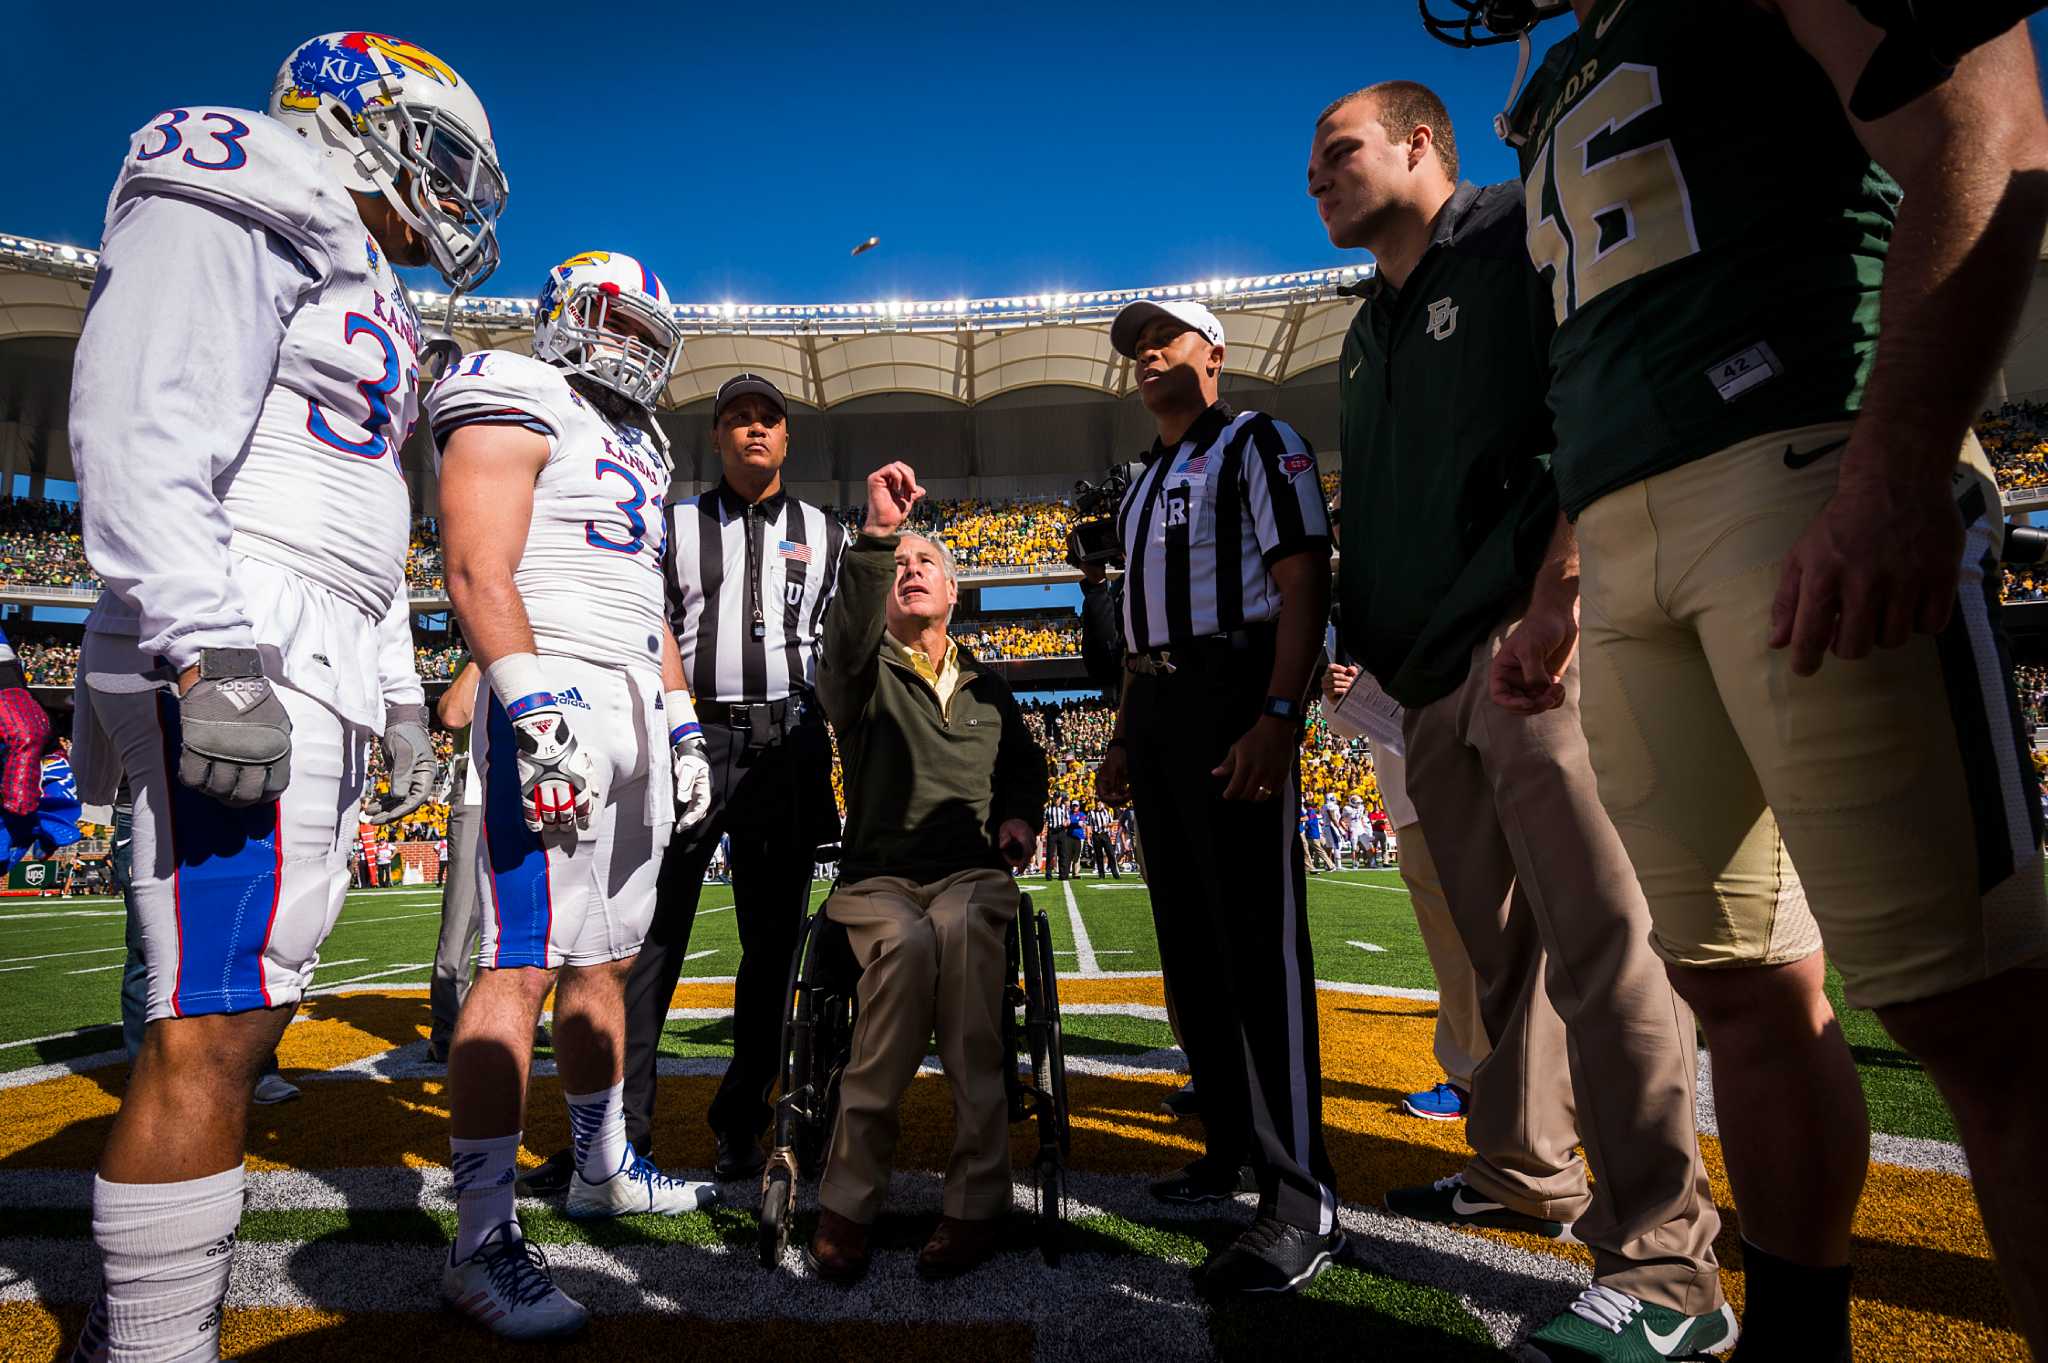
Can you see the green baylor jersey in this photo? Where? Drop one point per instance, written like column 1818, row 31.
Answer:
column 1712, row 232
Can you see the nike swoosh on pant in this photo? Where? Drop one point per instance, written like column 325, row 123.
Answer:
column 1799, row 459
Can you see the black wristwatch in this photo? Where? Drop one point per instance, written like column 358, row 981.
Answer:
column 1280, row 707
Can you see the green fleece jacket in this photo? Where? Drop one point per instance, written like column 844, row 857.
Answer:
column 926, row 787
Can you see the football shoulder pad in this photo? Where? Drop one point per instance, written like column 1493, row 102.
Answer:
column 247, row 164
column 500, row 388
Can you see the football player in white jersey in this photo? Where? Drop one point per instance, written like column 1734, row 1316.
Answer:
column 552, row 475
column 245, row 378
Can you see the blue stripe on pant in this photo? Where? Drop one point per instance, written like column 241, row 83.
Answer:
column 226, row 868
column 521, row 897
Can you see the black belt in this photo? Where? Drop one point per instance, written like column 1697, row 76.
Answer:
column 1194, row 653
column 755, row 717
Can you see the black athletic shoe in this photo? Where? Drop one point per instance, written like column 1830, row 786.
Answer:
column 1271, row 1256
column 551, row 1179
column 738, row 1157
column 1201, row 1182
column 1182, row 1102
column 1450, row 1202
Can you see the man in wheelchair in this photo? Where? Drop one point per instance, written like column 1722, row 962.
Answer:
column 943, row 790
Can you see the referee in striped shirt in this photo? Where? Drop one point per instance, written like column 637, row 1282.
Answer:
column 1227, row 545
column 750, row 570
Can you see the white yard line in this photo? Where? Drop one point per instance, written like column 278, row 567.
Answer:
column 375, row 975
column 57, row 955
column 396, row 917
column 1363, row 946
column 336, row 965
column 700, row 955
column 96, row 969
column 1083, row 948
column 1361, row 885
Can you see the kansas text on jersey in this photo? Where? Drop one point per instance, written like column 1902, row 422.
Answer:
column 590, row 575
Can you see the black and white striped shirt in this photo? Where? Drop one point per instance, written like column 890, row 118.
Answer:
column 747, row 587
column 1206, row 519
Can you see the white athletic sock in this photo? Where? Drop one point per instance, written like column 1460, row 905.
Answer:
column 165, row 1249
column 597, row 1126
column 485, row 1172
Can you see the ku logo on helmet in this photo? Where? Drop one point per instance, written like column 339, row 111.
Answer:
column 341, row 66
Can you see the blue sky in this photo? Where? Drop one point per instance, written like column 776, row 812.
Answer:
column 743, row 150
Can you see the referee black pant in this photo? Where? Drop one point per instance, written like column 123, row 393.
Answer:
column 1229, row 902
column 775, row 801
column 1105, row 857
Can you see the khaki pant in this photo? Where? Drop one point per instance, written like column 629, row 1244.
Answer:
column 1589, row 1041
column 1899, row 786
column 931, row 957
column 1461, row 1041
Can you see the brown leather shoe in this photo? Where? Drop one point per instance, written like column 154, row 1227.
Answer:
column 958, row 1247
column 838, row 1253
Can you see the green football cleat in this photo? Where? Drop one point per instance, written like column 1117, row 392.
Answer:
column 1606, row 1326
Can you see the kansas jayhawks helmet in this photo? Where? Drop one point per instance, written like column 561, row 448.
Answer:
column 391, row 118
column 606, row 316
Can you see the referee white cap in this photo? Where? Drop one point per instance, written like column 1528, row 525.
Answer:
column 1123, row 332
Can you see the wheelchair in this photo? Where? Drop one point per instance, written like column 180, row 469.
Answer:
column 817, row 1044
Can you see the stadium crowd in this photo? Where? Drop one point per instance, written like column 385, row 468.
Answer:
column 40, row 545
column 1036, row 639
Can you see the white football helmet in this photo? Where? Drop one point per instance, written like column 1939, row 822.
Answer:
column 391, row 118
column 606, row 316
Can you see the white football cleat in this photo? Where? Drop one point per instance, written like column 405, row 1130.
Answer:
column 637, row 1187
column 506, row 1288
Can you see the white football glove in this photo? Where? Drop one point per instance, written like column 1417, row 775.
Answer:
column 558, row 783
column 558, row 786
column 692, row 768
column 693, row 783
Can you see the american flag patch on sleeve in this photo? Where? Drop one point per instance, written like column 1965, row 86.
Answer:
column 791, row 549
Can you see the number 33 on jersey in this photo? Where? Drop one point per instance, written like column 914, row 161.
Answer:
column 590, row 574
column 344, row 395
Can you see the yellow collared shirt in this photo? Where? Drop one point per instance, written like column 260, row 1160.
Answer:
column 944, row 681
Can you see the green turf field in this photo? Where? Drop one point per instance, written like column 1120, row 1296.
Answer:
column 60, row 970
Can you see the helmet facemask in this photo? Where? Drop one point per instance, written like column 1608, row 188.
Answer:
column 618, row 340
column 441, row 180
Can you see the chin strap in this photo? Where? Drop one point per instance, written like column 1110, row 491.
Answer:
column 1501, row 127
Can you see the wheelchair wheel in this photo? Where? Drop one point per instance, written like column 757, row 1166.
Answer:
column 814, row 1139
column 1052, row 1206
column 778, row 1209
column 1056, row 1042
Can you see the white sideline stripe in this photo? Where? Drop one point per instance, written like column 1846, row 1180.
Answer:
column 58, row 955
column 96, row 969
column 1083, row 948
column 1106, row 951
column 1119, row 887
column 61, row 1036
column 1363, row 946
column 1360, row 885
column 700, row 955
column 375, row 975
column 8, row 919
column 394, row 918
column 706, row 913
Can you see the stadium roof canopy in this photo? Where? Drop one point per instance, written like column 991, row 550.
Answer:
column 923, row 379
